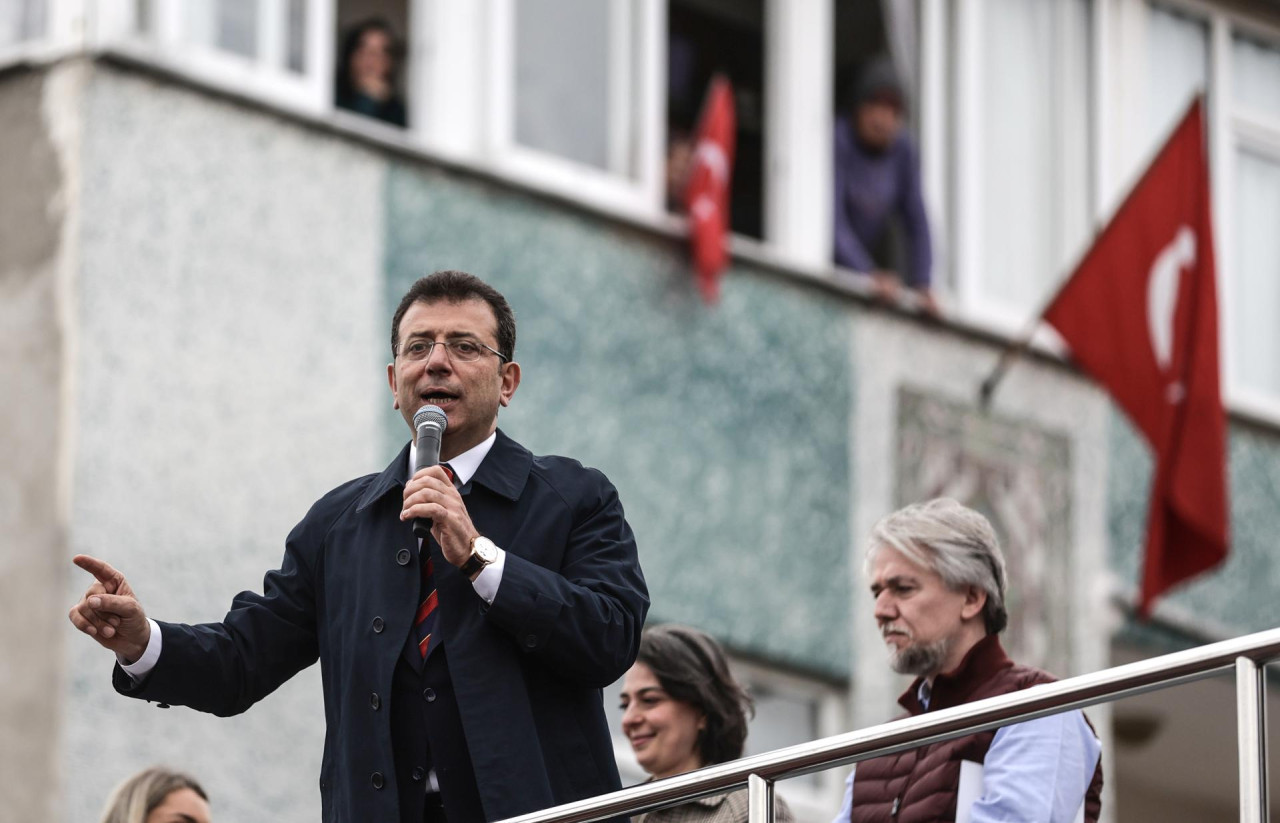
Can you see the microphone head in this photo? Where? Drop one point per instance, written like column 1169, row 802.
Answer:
column 430, row 414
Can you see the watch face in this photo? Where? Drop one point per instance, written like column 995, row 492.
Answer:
column 486, row 550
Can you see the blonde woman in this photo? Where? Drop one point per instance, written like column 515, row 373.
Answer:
column 157, row 795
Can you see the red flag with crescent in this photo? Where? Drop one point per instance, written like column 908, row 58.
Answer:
column 707, row 194
column 1140, row 315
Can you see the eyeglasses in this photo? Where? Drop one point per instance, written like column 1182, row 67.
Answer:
column 463, row 350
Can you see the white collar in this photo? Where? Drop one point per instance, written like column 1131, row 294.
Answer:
column 464, row 465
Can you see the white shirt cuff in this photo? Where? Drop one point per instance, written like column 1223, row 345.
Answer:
column 487, row 581
column 140, row 668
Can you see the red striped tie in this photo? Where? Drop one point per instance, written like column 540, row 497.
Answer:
column 424, row 621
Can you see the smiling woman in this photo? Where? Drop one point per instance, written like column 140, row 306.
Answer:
column 682, row 709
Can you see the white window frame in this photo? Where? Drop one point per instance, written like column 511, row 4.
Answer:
column 965, row 160
column 266, row 76
column 798, row 185
column 640, row 64
column 66, row 23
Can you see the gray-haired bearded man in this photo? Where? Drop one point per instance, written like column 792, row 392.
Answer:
column 938, row 579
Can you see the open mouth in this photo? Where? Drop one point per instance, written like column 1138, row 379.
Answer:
column 437, row 397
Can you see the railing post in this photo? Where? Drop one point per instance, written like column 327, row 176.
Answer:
column 1251, row 722
column 760, row 798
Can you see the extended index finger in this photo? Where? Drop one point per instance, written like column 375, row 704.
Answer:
column 100, row 569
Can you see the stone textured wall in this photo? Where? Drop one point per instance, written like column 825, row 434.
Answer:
column 229, row 372
column 34, row 204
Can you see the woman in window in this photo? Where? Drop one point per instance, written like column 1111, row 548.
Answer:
column 683, row 710
column 366, row 73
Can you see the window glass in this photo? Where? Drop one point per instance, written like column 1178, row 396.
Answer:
column 295, row 53
column 1255, row 275
column 571, row 62
column 1177, row 66
column 1034, row 140
column 238, row 26
column 21, row 20
column 227, row 25
column 1255, row 76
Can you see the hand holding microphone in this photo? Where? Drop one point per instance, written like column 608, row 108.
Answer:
column 430, row 423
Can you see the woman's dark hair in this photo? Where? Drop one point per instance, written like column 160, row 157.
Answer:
column 691, row 667
column 351, row 42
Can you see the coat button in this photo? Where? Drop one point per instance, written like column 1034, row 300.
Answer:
column 378, row 625
column 531, row 641
column 403, row 557
column 418, row 774
column 429, row 695
column 377, row 780
column 375, row 702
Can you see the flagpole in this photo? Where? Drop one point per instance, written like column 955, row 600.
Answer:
column 1007, row 357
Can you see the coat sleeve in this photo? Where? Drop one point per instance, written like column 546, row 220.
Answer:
column 224, row 668
column 584, row 618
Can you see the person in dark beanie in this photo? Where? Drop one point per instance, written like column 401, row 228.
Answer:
column 877, row 179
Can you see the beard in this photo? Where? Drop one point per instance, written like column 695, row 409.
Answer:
column 920, row 659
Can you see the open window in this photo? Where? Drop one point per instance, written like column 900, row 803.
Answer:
column 706, row 37
column 371, row 54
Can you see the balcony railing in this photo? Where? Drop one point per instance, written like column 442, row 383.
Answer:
column 1248, row 655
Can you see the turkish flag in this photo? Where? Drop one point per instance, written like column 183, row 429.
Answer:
column 1140, row 314
column 707, row 195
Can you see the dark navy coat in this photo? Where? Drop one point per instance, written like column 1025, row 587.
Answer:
column 527, row 671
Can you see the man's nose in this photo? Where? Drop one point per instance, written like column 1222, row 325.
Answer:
column 438, row 358
column 886, row 606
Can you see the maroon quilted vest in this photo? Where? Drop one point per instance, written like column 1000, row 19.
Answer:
column 920, row 785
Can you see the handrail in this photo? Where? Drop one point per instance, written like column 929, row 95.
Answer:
column 1248, row 654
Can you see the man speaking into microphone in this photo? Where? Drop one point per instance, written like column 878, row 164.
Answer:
column 461, row 668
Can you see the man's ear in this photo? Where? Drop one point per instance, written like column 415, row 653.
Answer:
column 975, row 600
column 391, row 381
column 510, row 382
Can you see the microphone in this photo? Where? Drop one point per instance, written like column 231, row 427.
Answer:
column 430, row 423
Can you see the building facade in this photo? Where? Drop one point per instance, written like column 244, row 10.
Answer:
column 200, row 253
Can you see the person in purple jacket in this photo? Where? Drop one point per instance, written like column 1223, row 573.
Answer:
column 877, row 177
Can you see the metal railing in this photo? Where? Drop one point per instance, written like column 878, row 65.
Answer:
column 1247, row 654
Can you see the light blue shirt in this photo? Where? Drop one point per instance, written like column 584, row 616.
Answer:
column 1034, row 772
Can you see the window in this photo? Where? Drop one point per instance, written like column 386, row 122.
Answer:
column 370, row 60
column 1252, row 293
column 276, row 49
column 1023, row 155
column 21, row 21
column 572, row 98
column 706, row 38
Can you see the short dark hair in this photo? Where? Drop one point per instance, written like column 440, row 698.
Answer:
column 692, row 667
column 455, row 287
